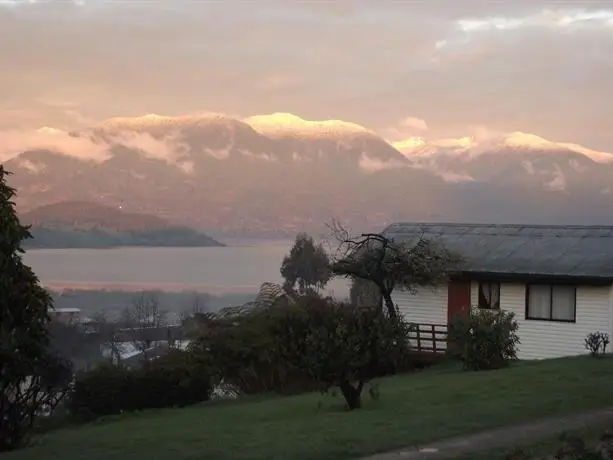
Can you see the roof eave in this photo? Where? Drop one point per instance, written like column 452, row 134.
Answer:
column 477, row 275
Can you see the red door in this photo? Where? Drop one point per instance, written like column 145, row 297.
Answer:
column 458, row 300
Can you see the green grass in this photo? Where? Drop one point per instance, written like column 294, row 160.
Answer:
column 412, row 409
column 545, row 446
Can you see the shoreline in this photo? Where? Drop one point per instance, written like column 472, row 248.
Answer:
column 61, row 286
column 216, row 290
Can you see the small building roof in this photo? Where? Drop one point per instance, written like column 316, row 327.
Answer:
column 525, row 250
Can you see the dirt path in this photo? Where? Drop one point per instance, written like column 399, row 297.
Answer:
column 509, row 436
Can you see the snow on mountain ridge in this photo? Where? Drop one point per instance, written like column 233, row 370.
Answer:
column 599, row 157
column 283, row 124
column 468, row 146
column 410, row 145
column 153, row 119
column 270, row 125
column 519, row 139
column 153, row 134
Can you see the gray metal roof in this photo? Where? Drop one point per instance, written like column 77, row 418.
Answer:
column 540, row 250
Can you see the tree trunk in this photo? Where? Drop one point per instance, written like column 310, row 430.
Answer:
column 389, row 304
column 353, row 395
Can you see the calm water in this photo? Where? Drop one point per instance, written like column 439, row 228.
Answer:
column 240, row 267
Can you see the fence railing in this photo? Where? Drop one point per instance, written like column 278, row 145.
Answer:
column 428, row 338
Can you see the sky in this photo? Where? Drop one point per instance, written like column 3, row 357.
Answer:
column 435, row 68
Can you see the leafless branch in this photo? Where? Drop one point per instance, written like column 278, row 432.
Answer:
column 387, row 263
column 142, row 321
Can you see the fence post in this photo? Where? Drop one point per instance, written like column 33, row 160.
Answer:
column 434, row 339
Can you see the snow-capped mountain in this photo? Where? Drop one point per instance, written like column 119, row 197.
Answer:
column 281, row 172
column 514, row 159
column 289, row 125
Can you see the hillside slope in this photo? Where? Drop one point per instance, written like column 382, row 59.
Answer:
column 80, row 224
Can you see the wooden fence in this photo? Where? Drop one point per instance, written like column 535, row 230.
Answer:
column 428, row 338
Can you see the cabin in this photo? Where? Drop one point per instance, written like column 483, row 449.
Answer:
column 68, row 316
column 557, row 280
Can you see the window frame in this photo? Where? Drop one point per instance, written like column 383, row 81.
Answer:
column 551, row 319
column 489, row 283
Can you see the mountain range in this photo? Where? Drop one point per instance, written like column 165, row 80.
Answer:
column 281, row 174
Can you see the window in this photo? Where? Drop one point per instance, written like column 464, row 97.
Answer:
column 489, row 295
column 551, row 302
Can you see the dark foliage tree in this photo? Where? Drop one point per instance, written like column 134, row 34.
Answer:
column 307, row 265
column 243, row 348
column 72, row 342
column 287, row 343
column 30, row 379
column 341, row 345
column 389, row 264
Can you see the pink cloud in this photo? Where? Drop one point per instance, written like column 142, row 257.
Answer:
column 14, row 142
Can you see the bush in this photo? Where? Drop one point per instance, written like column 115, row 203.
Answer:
column 485, row 339
column 179, row 378
column 302, row 344
column 244, row 352
column 596, row 343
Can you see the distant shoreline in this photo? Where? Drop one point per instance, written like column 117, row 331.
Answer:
column 229, row 243
column 168, row 288
column 60, row 286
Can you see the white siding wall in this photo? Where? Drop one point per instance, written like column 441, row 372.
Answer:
column 550, row 339
column 539, row 339
column 426, row 306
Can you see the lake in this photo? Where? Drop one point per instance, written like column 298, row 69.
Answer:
column 242, row 266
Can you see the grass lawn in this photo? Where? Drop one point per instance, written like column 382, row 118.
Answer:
column 412, row 409
column 547, row 446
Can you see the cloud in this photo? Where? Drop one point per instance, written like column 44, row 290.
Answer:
column 280, row 82
column 405, row 128
column 455, row 64
column 14, row 142
column 415, row 123
column 372, row 165
column 84, row 147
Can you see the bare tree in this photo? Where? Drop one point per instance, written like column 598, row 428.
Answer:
column 198, row 304
column 389, row 264
column 142, row 322
column 108, row 336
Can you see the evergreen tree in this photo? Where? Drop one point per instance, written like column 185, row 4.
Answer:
column 27, row 373
column 307, row 265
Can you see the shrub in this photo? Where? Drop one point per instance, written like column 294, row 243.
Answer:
column 176, row 379
column 104, row 390
column 245, row 352
column 485, row 339
column 303, row 344
column 596, row 343
column 179, row 378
